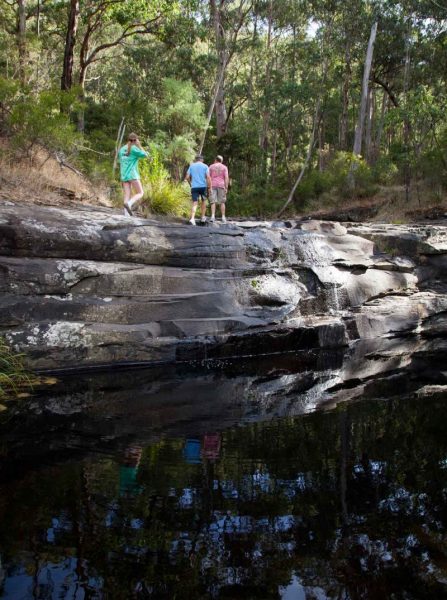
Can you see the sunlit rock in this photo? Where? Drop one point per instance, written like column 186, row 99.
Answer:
column 85, row 286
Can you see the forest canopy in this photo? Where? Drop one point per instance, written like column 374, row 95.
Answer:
column 311, row 102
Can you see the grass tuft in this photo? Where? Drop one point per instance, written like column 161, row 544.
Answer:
column 13, row 376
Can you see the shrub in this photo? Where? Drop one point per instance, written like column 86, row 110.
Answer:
column 13, row 376
column 40, row 120
column 385, row 171
column 352, row 176
column 162, row 195
column 339, row 179
column 168, row 198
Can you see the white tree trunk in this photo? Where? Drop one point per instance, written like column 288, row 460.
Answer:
column 221, row 110
column 357, row 150
column 345, row 95
column 220, row 76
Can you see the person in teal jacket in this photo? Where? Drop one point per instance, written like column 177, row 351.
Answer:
column 128, row 157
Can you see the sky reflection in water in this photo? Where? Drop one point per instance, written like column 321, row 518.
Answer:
column 349, row 503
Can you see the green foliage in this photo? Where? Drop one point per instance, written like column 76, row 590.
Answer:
column 13, row 376
column 181, row 109
column 176, row 152
column 155, row 65
column 9, row 91
column 385, row 171
column 352, row 176
column 346, row 175
column 162, row 195
column 40, row 119
column 96, row 156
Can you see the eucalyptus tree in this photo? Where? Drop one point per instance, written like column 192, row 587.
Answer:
column 226, row 18
column 102, row 25
column 14, row 17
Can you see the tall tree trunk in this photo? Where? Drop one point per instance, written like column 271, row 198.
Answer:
column 220, row 107
column 252, row 60
column 315, row 126
column 407, row 125
column 308, row 157
column 274, row 155
column 369, row 123
column 21, row 39
column 289, row 141
column 263, row 142
column 321, row 147
column 38, row 19
column 378, row 139
column 70, row 40
column 357, row 150
column 220, row 76
column 83, row 67
column 81, row 112
column 345, row 96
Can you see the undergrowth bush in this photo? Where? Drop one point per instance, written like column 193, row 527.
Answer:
column 346, row 176
column 13, row 377
column 384, row 171
column 42, row 118
column 96, row 157
column 162, row 195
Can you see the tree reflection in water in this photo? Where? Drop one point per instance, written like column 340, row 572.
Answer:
column 343, row 504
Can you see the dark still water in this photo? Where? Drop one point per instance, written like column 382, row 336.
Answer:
column 182, row 483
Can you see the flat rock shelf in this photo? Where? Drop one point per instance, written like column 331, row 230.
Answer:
column 87, row 287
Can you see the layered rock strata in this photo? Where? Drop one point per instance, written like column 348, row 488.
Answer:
column 87, row 287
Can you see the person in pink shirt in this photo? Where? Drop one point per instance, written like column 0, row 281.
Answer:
column 219, row 187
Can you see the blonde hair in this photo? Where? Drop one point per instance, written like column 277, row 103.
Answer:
column 131, row 138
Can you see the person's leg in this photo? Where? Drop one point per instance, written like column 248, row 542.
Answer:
column 194, row 209
column 127, row 190
column 139, row 193
column 223, row 199
column 195, row 199
column 203, row 209
column 213, row 204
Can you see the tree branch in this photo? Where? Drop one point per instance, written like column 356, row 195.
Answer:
column 387, row 89
column 128, row 32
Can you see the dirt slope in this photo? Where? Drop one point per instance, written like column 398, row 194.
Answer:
column 41, row 179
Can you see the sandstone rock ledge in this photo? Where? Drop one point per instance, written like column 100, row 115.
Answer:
column 83, row 287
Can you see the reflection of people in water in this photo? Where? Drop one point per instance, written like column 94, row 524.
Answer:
column 211, row 446
column 129, row 470
column 196, row 449
column 191, row 451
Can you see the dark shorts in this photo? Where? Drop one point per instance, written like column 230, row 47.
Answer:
column 197, row 193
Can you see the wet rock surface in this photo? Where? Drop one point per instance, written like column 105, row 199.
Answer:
column 87, row 287
column 95, row 411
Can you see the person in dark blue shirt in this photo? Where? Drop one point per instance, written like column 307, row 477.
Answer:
column 198, row 176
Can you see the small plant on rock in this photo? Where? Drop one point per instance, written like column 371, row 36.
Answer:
column 13, row 376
